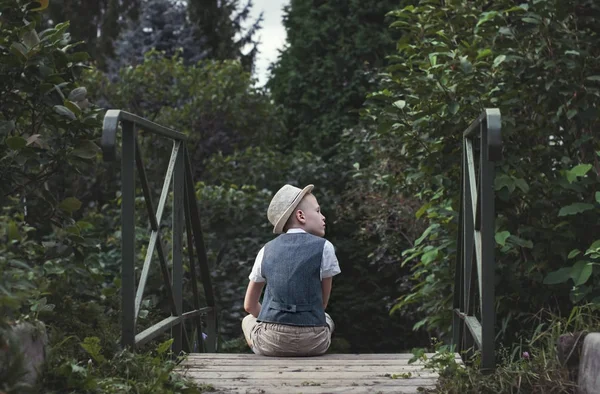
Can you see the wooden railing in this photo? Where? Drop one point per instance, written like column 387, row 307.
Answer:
column 185, row 215
column 474, row 316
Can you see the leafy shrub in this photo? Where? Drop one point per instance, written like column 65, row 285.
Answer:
column 530, row 366
column 538, row 63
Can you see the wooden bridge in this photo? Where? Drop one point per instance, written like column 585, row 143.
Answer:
column 473, row 313
column 331, row 373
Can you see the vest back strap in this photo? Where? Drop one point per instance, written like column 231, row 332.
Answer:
column 292, row 307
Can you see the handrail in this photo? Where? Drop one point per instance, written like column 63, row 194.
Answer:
column 185, row 215
column 476, row 240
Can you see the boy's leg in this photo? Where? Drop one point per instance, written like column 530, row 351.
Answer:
column 248, row 324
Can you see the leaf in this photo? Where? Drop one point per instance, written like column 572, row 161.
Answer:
column 43, row 5
column 575, row 208
column 6, row 126
column 429, row 256
column 559, row 276
column 504, row 181
column 400, row 104
column 13, row 231
column 423, row 209
column 520, row 242
column 70, row 204
column 598, row 197
column 453, row 107
column 594, row 78
column 72, row 107
column 518, row 8
column 92, row 346
column 581, row 272
column 486, row 16
column 578, row 170
column 16, row 143
column 594, row 247
column 498, row 60
column 62, row 110
column 573, row 253
column 19, row 50
column 571, row 113
column 522, row 184
column 34, row 139
column 466, row 65
column 484, row 53
column 79, row 57
column 426, row 233
column 501, row 237
column 86, row 150
column 531, row 20
column 78, row 94
column 163, row 347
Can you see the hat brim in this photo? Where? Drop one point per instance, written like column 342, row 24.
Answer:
column 278, row 228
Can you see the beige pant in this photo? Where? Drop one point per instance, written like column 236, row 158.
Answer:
column 269, row 339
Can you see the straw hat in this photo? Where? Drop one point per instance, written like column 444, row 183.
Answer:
column 283, row 204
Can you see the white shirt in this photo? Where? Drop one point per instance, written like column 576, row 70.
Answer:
column 329, row 263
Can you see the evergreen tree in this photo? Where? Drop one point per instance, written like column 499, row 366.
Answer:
column 219, row 22
column 162, row 25
column 95, row 22
column 322, row 77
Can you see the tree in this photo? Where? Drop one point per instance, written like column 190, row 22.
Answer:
column 95, row 22
column 213, row 102
column 323, row 75
column 219, row 23
column 162, row 25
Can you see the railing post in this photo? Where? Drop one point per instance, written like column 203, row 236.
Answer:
column 476, row 240
column 488, row 213
column 178, row 222
column 128, row 236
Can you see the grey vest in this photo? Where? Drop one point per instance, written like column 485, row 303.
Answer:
column 292, row 268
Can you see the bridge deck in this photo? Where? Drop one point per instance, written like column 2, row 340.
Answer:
column 331, row 373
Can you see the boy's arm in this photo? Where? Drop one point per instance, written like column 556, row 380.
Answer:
column 326, row 284
column 251, row 304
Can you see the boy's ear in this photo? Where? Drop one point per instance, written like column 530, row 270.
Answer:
column 300, row 216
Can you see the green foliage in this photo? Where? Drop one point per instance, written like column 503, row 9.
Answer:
column 95, row 23
column 48, row 132
column 59, row 255
column 322, row 76
column 121, row 372
column 530, row 366
column 213, row 102
column 221, row 27
column 537, row 63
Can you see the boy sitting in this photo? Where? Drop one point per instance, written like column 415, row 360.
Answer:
column 297, row 267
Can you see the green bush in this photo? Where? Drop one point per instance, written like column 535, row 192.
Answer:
column 531, row 366
column 538, row 63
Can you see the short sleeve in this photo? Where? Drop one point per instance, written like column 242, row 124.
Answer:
column 256, row 274
column 329, row 265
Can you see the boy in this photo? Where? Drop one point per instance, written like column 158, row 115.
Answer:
column 297, row 267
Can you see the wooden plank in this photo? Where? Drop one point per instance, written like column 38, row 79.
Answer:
column 308, row 381
column 349, row 356
column 232, row 389
column 299, row 363
column 291, row 376
column 306, row 368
